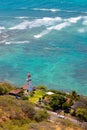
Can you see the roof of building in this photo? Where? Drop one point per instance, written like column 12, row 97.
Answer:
column 16, row 91
column 49, row 93
column 24, row 86
column 75, row 105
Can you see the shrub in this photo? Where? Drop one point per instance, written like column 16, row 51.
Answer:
column 32, row 94
column 28, row 109
column 21, row 121
column 16, row 109
column 5, row 88
column 24, row 97
column 72, row 112
column 47, row 107
column 41, row 115
column 43, row 88
column 16, row 114
column 56, row 101
column 20, row 94
column 74, row 95
column 81, row 113
column 66, row 107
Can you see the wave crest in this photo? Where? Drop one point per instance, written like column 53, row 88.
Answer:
column 45, row 21
column 2, row 28
column 16, row 42
column 45, row 9
column 74, row 19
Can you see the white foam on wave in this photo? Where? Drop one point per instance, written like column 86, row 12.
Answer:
column 41, row 34
column 59, row 26
column 66, row 23
column 56, row 23
column 7, row 42
column 22, row 17
column 54, row 10
column 45, row 21
column 2, row 41
column 74, row 19
column 58, row 10
column 16, row 42
column 44, row 9
column 2, row 28
column 20, row 26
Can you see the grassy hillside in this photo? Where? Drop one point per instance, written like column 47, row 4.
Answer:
column 21, row 113
column 17, row 114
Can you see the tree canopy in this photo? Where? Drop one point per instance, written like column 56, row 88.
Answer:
column 56, row 101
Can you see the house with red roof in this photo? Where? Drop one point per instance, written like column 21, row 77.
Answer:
column 25, row 88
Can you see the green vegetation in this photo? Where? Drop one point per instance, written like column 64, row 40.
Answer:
column 56, row 101
column 37, row 94
column 19, row 113
column 66, row 102
column 22, row 113
column 81, row 113
column 41, row 115
column 74, row 96
column 43, row 88
column 5, row 88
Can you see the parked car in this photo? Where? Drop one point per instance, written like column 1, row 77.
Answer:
column 61, row 116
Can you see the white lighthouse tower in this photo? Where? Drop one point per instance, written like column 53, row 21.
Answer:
column 29, row 83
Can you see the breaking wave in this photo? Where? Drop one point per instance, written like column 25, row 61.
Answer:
column 22, row 17
column 16, row 42
column 74, row 19
column 20, row 26
column 47, row 22
column 57, row 27
column 41, row 34
column 58, row 10
column 44, row 9
column 2, row 28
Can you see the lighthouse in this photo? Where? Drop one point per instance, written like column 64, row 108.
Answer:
column 29, row 83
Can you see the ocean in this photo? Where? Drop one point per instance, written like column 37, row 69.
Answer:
column 46, row 38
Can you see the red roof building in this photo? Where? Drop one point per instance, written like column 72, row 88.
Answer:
column 24, row 87
column 16, row 92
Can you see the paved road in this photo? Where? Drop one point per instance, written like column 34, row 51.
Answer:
column 54, row 116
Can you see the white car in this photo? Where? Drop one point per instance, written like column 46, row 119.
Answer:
column 60, row 116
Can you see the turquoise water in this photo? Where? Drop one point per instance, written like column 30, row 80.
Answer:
column 46, row 38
